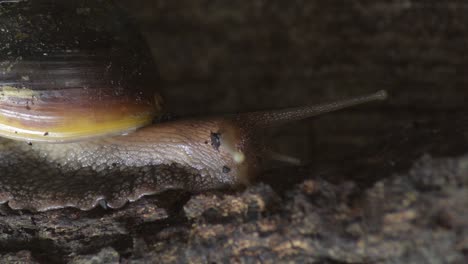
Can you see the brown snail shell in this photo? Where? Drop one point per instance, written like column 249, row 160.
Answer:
column 71, row 70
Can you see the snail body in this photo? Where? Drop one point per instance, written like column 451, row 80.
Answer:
column 76, row 117
column 172, row 155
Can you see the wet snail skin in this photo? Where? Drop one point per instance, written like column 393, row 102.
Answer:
column 77, row 100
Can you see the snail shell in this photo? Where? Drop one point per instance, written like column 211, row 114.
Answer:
column 77, row 73
column 71, row 70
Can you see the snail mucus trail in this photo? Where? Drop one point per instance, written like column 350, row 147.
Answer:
column 77, row 100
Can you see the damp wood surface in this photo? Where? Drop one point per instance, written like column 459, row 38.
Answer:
column 383, row 183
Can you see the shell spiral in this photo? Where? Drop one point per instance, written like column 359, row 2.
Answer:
column 71, row 70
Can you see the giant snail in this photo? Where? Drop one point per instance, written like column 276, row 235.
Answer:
column 77, row 103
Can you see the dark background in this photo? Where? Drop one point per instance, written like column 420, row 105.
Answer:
column 225, row 56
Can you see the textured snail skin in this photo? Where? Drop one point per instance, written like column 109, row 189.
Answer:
column 193, row 155
column 173, row 155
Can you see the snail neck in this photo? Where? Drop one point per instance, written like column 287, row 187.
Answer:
column 189, row 143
